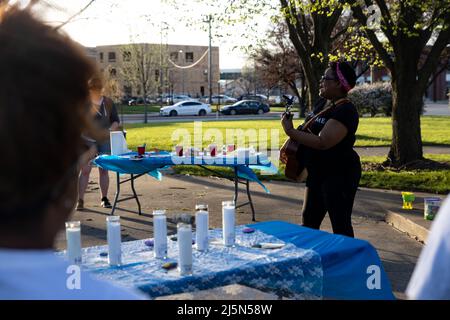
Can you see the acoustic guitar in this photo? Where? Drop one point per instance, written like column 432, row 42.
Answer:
column 293, row 153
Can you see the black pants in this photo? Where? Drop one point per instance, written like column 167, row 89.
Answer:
column 335, row 195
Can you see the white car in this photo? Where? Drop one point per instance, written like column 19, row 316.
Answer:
column 186, row 108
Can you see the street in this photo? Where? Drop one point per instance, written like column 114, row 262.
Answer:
column 431, row 109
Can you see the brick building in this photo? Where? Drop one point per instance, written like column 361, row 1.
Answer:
column 192, row 81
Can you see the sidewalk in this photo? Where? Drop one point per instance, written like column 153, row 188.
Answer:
column 412, row 222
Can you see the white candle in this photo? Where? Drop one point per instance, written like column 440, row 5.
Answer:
column 114, row 240
column 184, row 236
column 73, row 237
column 160, row 234
column 201, row 230
column 228, row 223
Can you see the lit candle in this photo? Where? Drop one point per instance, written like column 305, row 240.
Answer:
column 228, row 223
column 73, row 236
column 160, row 234
column 201, row 227
column 184, row 236
column 114, row 240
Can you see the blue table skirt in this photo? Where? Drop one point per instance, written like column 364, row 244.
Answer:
column 153, row 162
column 345, row 260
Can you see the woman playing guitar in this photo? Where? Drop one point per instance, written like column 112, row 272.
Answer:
column 334, row 168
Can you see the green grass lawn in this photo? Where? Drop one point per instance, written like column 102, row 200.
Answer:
column 136, row 109
column 417, row 180
column 371, row 132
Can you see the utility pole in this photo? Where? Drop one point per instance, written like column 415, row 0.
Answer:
column 161, row 77
column 209, row 62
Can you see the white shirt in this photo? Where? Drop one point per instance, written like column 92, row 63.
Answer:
column 431, row 277
column 41, row 275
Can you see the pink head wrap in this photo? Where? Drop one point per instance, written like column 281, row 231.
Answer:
column 342, row 79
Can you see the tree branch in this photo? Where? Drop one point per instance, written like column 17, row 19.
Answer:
column 432, row 60
column 357, row 10
column 388, row 30
column 76, row 14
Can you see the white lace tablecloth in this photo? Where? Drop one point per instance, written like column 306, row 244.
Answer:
column 289, row 271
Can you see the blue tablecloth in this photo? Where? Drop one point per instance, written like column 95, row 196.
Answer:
column 289, row 271
column 345, row 260
column 154, row 161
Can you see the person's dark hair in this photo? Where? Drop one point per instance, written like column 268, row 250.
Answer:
column 43, row 111
column 347, row 71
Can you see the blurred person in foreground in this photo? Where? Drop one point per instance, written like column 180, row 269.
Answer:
column 43, row 114
column 431, row 277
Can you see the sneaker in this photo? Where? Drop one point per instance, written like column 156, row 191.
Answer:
column 105, row 203
column 80, row 205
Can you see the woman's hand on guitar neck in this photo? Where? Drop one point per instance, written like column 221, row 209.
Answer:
column 286, row 122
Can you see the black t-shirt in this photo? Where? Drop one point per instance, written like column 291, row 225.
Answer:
column 105, row 117
column 338, row 159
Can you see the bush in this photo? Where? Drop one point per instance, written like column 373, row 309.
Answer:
column 373, row 98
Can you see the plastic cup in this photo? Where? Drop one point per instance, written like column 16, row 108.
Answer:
column 179, row 151
column 431, row 207
column 141, row 150
column 212, row 150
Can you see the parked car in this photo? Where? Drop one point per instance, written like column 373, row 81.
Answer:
column 223, row 99
column 178, row 98
column 135, row 101
column 257, row 97
column 245, row 107
column 186, row 108
column 125, row 99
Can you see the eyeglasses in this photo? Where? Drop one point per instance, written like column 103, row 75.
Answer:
column 327, row 78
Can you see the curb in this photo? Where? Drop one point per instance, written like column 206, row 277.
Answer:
column 406, row 225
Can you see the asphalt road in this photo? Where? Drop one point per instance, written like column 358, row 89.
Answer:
column 431, row 109
column 155, row 117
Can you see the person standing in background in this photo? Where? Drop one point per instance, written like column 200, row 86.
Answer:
column 106, row 117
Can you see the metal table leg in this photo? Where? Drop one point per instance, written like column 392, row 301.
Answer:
column 116, row 197
column 250, row 199
column 236, row 185
column 135, row 195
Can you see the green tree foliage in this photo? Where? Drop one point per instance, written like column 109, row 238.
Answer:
column 409, row 39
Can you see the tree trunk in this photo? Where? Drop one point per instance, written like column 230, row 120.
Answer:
column 406, row 136
column 312, row 81
column 145, row 106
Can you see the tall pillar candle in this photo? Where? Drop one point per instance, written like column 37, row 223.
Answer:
column 228, row 223
column 114, row 240
column 73, row 237
column 160, row 234
column 184, row 236
column 201, row 227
